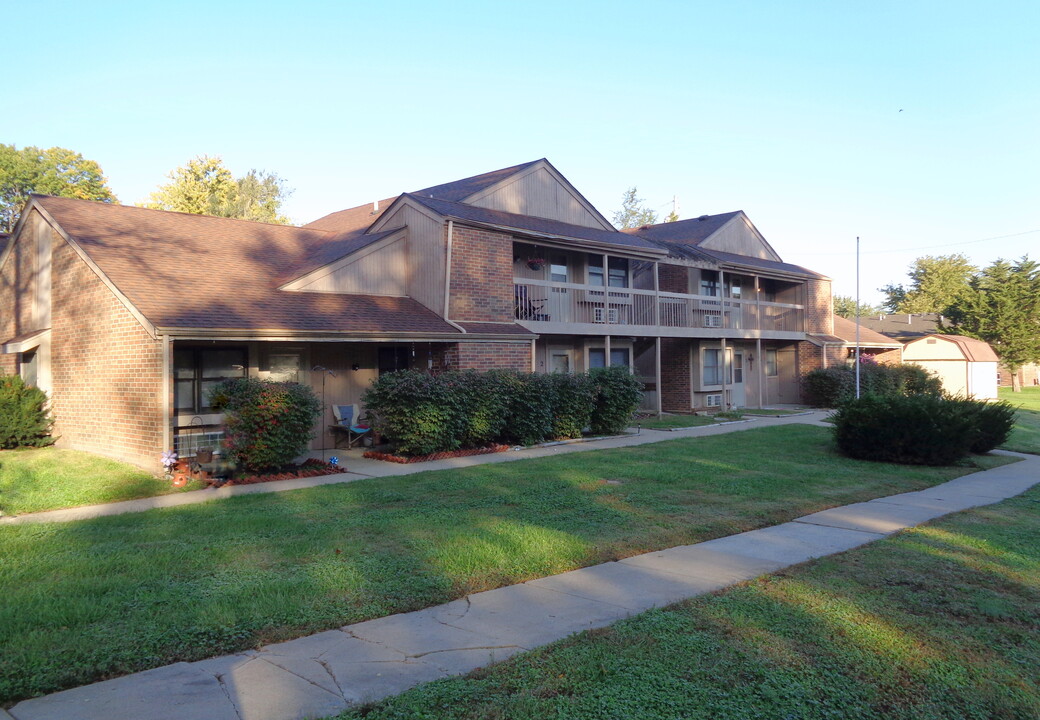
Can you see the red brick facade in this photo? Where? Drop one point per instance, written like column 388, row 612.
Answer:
column 487, row 356
column 106, row 368
column 811, row 356
column 819, row 307
column 481, row 276
column 675, row 375
column 672, row 278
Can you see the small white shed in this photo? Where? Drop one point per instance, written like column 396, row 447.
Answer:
column 966, row 366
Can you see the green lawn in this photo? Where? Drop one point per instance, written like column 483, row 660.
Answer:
column 93, row 599
column 939, row 622
column 48, row 478
column 1026, row 435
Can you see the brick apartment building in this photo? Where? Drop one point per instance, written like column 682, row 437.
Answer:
column 127, row 316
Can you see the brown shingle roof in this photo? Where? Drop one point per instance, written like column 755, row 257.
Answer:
column 686, row 232
column 351, row 219
column 845, row 329
column 973, row 350
column 196, row 271
column 902, row 326
column 537, row 225
column 459, row 190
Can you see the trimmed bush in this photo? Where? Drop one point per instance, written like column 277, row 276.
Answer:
column 830, row 387
column 993, row 423
column 423, row 414
column 24, row 421
column 618, row 393
column 911, row 430
column 268, row 423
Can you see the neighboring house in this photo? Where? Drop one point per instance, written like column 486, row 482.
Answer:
column 966, row 366
column 1028, row 375
column 840, row 346
column 127, row 316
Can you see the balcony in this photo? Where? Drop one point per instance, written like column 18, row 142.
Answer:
column 544, row 304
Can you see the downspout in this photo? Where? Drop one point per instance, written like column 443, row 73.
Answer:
column 447, row 279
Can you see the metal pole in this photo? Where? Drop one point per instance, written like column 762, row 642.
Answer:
column 857, row 319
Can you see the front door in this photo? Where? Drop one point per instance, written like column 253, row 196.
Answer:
column 737, row 396
column 561, row 360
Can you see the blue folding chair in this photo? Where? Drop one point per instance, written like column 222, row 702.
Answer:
column 348, row 424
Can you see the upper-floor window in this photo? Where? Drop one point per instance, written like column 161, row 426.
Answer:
column 618, row 274
column 709, row 284
column 197, row 370
column 558, row 268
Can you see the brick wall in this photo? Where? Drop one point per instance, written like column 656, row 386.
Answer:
column 889, row 357
column 672, row 278
column 107, row 370
column 487, row 356
column 819, row 308
column 481, row 275
column 675, row 375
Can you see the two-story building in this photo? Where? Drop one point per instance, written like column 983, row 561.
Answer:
column 127, row 316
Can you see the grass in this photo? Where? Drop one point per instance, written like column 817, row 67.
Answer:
column 99, row 598
column 939, row 622
column 49, row 478
column 1026, row 435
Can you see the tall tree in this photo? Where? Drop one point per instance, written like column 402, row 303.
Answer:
column 632, row 214
column 1002, row 307
column 845, row 306
column 936, row 282
column 206, row 187
column 54, row 171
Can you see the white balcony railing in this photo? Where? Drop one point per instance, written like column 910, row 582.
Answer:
column 541, row 301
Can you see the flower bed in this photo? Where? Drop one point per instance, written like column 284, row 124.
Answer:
column 404, row 459
column 303, row 472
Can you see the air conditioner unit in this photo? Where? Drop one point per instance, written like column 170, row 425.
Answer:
column 713, row 401
column 605, row 315
column 713, row 321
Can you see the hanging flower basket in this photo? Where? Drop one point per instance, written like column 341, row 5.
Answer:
column 536, row 263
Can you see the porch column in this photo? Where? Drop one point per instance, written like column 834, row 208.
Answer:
column 758, row 306
column 657, row 296
column 761, row 362
column 606, row 350
column 660, row 390
column 534, row 357
column 722, row 343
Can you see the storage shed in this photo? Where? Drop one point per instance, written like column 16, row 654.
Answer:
column 966, row 366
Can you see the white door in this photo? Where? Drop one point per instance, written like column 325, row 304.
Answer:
column 737, row 395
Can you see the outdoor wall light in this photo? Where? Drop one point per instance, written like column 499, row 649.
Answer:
column 355, row 367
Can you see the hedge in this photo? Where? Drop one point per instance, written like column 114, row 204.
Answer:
column 422, row 413
column 830, row 387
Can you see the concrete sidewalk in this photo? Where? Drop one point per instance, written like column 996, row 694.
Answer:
column 323, row 674
column 359, row 467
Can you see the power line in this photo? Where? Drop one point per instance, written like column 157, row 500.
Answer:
column 932, row 247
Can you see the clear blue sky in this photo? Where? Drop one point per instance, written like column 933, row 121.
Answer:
column 789, row 111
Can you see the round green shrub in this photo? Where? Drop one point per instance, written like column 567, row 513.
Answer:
column 416, row 410
column 268, row 423
column 531, row 401
column 24, row 421
column 911, row 430
column 993, row 421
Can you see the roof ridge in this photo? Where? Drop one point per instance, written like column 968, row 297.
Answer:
column 176, row 212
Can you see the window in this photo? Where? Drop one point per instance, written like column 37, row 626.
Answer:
column 197, row 370
column 712, row 367
column 284, row 367
column 618, row 356
column 28, row 367
column 734, row 288
column 709, row 285
column 617, row 272
column 596, row 270
column 558, row 268
column 393, row 358
column 771, row 363
column 738, row 368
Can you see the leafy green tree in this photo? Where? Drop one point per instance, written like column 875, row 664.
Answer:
column 936, row 282
column 54, row 171
column 206, row 187
column 632, row 214
column 845, row 306
column 1002, row 307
